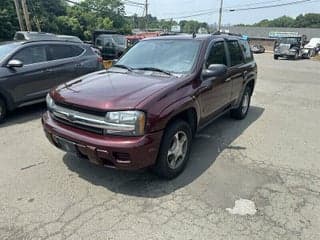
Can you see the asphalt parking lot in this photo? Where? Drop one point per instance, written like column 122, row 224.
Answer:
column 271, row 158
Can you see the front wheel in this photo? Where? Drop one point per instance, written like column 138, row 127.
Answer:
column 174, row 150
column 275, row 57
column 243, row 109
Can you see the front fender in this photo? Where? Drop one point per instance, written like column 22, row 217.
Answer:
column 160, row 122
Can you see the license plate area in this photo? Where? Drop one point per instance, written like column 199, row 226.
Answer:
column 65, row 144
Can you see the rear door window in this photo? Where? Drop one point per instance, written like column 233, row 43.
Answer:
column 217, row 54
column 56, row 52
column 31, row 55
column 235, row 51
column 246, row 50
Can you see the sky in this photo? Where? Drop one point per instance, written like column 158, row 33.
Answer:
column 166, row 9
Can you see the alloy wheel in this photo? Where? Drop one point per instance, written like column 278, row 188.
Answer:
column 178, row 150
column 245, row 103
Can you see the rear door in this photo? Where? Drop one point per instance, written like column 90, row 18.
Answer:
column 64, row 63
column 236, row 70
column 216, row 94
column 30, row 81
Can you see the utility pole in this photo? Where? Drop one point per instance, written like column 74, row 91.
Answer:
column 220, row 15
column 21, row 24
column 26, row 14
column 146, row 10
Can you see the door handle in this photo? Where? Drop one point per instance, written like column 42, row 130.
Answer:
column 79, row 65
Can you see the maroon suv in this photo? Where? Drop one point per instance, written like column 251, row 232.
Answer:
column 145, row 110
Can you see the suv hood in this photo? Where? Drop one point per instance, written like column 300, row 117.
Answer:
column 111, row 91
column 313, row 43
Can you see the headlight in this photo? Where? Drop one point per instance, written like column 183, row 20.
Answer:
column 125, row 123
column 50, row 102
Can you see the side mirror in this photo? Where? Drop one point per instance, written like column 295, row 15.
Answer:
column 214, row 70
column 14, row 63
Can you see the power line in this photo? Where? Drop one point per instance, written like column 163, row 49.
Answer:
column 229, row 9
column 269, row 6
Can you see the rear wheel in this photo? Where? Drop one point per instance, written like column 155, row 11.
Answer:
column 3, row 110
column 275, row 57
column 174, row 150
column 243, row 109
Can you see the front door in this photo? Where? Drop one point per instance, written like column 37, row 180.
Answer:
column 28, row 82
column 217, row 90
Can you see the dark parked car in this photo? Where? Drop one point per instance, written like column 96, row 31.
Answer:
column 258, row 48
column 29, row 69
column 29, row 36
column 144, row 111
column 110, row 43
column 289, row 47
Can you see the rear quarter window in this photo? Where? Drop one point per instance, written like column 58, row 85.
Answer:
column 235, row 51
column 248, row 56
column 56, row 52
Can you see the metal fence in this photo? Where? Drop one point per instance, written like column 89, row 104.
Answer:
column 263, row 32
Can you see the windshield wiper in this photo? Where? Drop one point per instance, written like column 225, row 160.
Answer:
column 123, row 66
column 155, row 70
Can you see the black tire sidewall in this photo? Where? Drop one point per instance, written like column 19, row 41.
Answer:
column 162, row 168
column 4, row 110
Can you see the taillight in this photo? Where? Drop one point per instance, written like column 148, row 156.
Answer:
column 100, row 60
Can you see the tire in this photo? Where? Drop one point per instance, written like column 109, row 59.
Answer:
column 242, row 111
column 172, row 158
column 275, row 57
column 3, row 111
column 296, row 56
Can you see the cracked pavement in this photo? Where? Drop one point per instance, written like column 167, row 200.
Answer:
column 271, row 158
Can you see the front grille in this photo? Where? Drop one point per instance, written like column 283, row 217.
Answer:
column 100, row 113
column 78, row 118
column 79, row 126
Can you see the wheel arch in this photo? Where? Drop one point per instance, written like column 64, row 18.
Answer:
column 186, row 109
column 7, row 100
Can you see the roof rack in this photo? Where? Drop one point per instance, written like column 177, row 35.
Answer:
column 49, row 40
column 226, row 33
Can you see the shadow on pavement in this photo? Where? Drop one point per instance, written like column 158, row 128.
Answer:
column 24, row 114
column 207, row 146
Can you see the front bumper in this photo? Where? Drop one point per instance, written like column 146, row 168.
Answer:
column 285, row 54
column 128, row 153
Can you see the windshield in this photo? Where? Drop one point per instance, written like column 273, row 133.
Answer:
column 289, row 40
column 175, row 56
column 120, row 40
column 6, row 49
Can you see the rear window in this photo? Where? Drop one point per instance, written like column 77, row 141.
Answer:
column 246, row 50
column 19, row 36
column 56, row 52
column 235, row 53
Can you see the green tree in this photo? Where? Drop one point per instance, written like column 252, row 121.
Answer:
column 8, row 20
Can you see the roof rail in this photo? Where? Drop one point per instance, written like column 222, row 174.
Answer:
column 49, row 40
column 226, row 33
